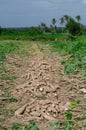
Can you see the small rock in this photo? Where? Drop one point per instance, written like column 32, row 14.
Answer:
column 41, row 89
column 83, row 90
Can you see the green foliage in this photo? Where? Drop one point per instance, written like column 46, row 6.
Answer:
column 1, row 30
column 56, row 126
column 6, row 48
column 16, row 127
column 71, row 69
column 68, row 124
column 68, row 115
column 9, row 77
column 32, row 126
column 13, row 99
column 74, row 105
column 33, row 31
column 67, row 127
column 1, row 106
column 83, row 73
column 76, row 63
column 73, row 27
column 5, row 129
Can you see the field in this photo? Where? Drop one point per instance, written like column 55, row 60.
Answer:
column 43, row 84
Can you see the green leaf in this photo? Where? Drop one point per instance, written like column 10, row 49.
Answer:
column 68, row 115
column 26, row 128
column 73, row 105
column 16, row 127
column 71, row 69
column 52, row 123
column 71, row 122
column 1, row 106
column 83, row 73
column 13, row 99
column 78, row 101
column 34, row 128
column 5, row 129
column 67, row 127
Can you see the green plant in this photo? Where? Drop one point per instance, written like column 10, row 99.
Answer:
column 5, row 112
column 5, row 129
column 74, row 105
column 1, row 106
column 56, row 126
column 68, row 124
column 16, row 127
column 33, row 126
column 12, row 99
column 71, row 69
column 9, row 77
column 73, row 27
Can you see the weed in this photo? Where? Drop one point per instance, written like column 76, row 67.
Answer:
column 5, row 129
column 74, row 105
column 16, row 127
column 1, row 106
column 63, row 62
column 9, row 77
column 5, row 112
column 12, row 99
column 68, row 124
column 32, row 126
column 77, row 52
column 56, row 126
column 71, row 69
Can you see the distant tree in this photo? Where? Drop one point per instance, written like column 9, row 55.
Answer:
column 42, row 27
column 33, row 31
column 0, row 30
column 51, row 28
column 54, row 24
column 78, row 18
column 62, row 22
column 53, row 21
column 73, row 27
column 66, row 18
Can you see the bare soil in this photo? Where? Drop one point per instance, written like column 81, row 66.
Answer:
column 44, row 92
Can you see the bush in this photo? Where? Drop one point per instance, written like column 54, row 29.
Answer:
column 0, row 30
column 73, row 27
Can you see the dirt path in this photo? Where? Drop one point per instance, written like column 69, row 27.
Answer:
column 42, row 89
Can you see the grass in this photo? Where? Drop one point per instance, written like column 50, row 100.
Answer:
column 31, row 126
column 12, row 47
column 27, row 36
column 76, row 63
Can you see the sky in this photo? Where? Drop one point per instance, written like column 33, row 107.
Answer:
column 26, row 13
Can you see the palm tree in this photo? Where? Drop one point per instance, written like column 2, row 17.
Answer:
column 67, row 18
column 78, row 18
column 53, row 24
column 62, row 22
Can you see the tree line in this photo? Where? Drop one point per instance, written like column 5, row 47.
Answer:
column 68, row 25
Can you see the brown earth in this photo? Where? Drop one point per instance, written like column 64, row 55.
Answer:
column 44, row 92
